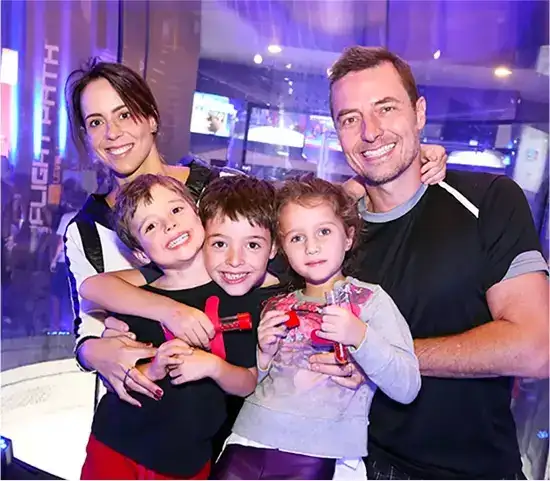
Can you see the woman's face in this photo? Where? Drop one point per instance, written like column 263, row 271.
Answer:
column 119, row 140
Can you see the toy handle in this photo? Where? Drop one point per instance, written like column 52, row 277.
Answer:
column 211, row 309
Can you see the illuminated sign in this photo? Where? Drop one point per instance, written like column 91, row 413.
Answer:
column 40, row 165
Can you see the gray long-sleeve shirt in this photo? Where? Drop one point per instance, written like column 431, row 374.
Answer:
column 295, row 409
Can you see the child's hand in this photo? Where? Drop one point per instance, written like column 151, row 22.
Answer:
column 190, row 324
column 355, row 187
column 434, row 163
column 340, row 325
column 168, row 355
column 199, row 365
column 271, row 330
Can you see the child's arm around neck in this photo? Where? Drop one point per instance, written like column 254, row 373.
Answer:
column 119, row 292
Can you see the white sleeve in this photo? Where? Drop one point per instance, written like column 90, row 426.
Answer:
column 89, row 317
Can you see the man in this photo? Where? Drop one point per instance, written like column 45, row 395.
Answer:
column 462, row 261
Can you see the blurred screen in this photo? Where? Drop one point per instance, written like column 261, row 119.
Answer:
column 319, row 128
column 212, row 115
column 277, row 127
column 531, row 159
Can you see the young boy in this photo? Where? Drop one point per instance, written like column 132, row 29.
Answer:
column 238, row 215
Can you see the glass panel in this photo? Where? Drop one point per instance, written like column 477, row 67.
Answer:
column 241, row 84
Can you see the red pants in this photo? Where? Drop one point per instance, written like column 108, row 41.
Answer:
column 102, row 462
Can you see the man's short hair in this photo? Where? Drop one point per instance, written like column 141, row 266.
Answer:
column 137, row 192
column 240, row 196
column 356, row 59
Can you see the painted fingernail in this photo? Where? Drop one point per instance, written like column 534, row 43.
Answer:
column 159, row 393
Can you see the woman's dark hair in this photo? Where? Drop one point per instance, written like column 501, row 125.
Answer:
column 132, row 89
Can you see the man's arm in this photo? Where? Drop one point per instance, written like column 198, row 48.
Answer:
column 514, row 344
column 513, row 277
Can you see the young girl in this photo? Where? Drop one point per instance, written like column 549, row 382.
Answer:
column 300, row 424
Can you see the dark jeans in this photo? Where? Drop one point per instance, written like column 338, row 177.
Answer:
column 377, row 469
column 244, row 462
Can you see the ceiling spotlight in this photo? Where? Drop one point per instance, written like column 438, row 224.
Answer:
column 274, row 49
column 502, row 72
column 258, row 59
column 437, row 54
column 289, row 65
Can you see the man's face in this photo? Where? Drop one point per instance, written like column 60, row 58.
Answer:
column 377, row 125
column 236, row 253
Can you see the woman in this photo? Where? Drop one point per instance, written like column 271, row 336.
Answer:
column 115, row 118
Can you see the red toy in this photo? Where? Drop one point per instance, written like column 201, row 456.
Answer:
column 239, row 322
column 293, row 320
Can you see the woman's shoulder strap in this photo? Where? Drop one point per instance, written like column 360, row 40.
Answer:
column 93, row 211
column 200, row 175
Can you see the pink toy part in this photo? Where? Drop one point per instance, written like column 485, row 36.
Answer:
column 211, row 309
column 168, row 334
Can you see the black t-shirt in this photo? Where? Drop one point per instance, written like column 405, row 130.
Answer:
column 437, row 260
column 174, row 436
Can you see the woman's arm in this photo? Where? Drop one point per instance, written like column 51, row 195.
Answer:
column 89, row 316
column 118, row 292
column 111, row 358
